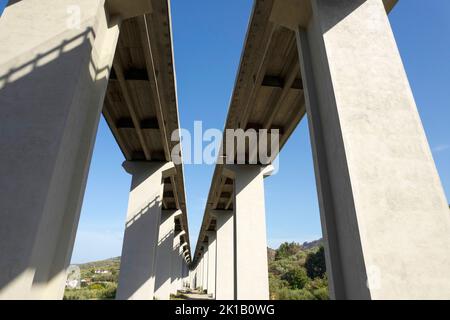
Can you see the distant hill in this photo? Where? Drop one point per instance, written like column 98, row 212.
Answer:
column 98, row 281
column 105, row 264
column 305, row 246
column 312, row 244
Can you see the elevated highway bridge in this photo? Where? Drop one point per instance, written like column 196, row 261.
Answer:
column 332, row 63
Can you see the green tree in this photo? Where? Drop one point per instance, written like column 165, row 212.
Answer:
column 315, row 264
column 287, row 250
column 296, row 277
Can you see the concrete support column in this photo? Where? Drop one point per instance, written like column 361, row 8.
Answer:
column 211, row 263
column 53, row 77
column 199, row 274
column 192, row 279
column 163, row 278
column 180, row 267
column 251, row 266
column 224, row 255
column 184, row 274
column 176, row 263
column 205, row 267
column 382, row 203
column 138, row 267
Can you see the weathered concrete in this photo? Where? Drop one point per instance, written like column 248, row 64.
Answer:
column 211, row 263
column 137, row 268
column 163, row 278
column 382, row 203
column 251, row 269
column 224, row 255
column 53, row 78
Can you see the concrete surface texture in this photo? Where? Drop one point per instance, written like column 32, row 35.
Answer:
column 224, row 255
column 138, row 263
column 385, row 203
column 163, row 279
column 52, row 84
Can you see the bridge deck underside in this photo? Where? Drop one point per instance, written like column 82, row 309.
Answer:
column 141, row 100
column 268, row 94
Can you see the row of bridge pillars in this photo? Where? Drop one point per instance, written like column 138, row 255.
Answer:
column 153, row 261
column 233, row 261
column 385, row 217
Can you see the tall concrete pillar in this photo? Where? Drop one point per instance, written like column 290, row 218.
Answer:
column 180, row 267
column 53, row 76
column 138, row 267
column 211, row 263
column 251, row 266
column 163, row 278
column 199, row 274
column 382, row 203
column 192, row 279
column 224, row 255
column 193, row 274
column 184, row 276
column 176, row 263
column 205, row 267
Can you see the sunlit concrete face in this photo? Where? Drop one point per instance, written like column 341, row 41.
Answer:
column 250, row 251
column 53, row 77
column 382, row 203
column 224, row 255
column 177, row 261
column 138, row 263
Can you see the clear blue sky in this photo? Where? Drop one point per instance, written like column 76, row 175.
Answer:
column 208, row 38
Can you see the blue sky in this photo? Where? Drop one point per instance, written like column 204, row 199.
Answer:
column 208, row 38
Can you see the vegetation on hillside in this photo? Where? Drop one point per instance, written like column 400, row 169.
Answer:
column 297, row 272
column 98, row 281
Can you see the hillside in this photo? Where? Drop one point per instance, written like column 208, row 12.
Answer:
column 98, row 280
column 296, row 272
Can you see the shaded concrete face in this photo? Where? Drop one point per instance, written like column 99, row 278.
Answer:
column 382, row 203
column 163, row 278
column 138, row 266
column 52, row 84
column 212, row 263
column 176, row 267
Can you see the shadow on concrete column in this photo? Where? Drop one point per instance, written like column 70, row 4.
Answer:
column 51, row 95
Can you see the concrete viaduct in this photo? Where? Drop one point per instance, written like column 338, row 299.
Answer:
column 335, row 63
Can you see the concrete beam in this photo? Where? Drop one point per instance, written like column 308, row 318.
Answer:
column 293, row 14
column 53, row 79
column 128, row 9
